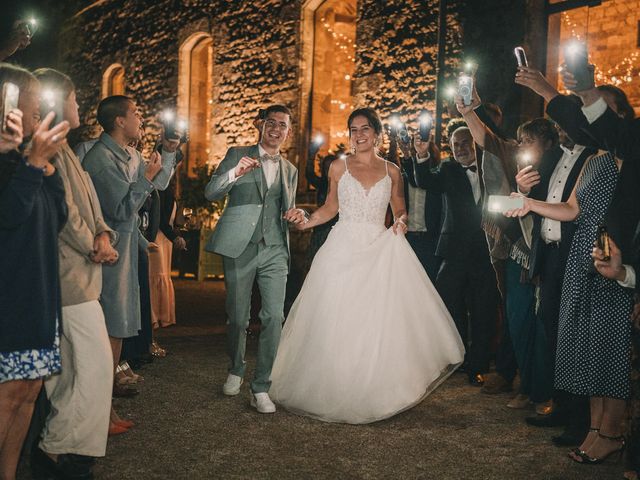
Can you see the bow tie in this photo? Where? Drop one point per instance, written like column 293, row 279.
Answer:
column 270, row 158
column 473, row 168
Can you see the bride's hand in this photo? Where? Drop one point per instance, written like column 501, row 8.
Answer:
column 400, row 225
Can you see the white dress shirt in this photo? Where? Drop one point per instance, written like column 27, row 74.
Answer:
column 417, row 200
column 630, row 278
column 474, row 179
column 595, row 110
column 551, row 229
column 270, row 169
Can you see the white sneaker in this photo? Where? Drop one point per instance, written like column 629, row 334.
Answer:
column 232, row 386
column 262, row 403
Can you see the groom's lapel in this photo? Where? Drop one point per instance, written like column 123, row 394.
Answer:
column 258, row 174
column 285, row 178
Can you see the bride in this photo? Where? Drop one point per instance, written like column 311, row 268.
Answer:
column 368, row 335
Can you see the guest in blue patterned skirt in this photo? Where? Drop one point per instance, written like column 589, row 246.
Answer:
column 32, row 212
column 594, row 338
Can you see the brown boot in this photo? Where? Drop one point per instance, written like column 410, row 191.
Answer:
column 495, row 383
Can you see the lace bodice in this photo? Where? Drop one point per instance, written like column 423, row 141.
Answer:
column 357, row 205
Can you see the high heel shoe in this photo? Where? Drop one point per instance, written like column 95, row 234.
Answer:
column 157, row 351
column 576, row 451
column 587, row 460
column 127, row 370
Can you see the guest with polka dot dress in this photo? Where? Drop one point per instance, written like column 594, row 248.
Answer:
column 594, row 337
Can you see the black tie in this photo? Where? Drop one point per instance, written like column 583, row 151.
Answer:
column 473, row 168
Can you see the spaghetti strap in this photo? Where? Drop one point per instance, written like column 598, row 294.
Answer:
column 386, row 166
column 345, row 164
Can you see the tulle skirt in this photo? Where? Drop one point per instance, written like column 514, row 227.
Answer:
column 368, row 335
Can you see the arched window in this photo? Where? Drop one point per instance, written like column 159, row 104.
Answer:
column 195, row 96
column 113, row 81
column 334, row 53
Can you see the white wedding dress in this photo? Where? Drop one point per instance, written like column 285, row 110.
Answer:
column 368, row 335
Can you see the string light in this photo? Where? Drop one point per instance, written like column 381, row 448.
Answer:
column 345, row 48
column 623, row 72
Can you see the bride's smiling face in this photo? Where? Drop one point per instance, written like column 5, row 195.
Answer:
column 362, row 134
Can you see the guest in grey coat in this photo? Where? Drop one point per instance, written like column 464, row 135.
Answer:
column 123, row 181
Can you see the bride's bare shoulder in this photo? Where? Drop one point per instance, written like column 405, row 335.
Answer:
column 392, row 168
column 337, row 168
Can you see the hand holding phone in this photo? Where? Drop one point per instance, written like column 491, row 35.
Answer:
column 527, row 178
column 504, row 203
column 465, row 89
column 426, row 124
column 52, row 101
column 10, row 97
column 521, row 57
column 576, row 62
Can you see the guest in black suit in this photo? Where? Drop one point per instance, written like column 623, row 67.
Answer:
column 605, row 121
column 424, row 208
column 466, row 280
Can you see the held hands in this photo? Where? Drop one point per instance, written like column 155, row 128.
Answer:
column 612, row 268
column 153, row 247
column 12, row 137
column 533, row 79
column 245, row 165
column 153, row 166
column 47, row 143
column 297, row 217
column 400, row 225
column 103, row 252
column 527, row 178
column 519, row 212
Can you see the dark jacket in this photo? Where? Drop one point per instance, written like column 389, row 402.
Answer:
column 433, row 201
column 462, row 224
column 32, row 213
column 540, row 192
column 622, row 137
column 167, row 201
column 150, row 216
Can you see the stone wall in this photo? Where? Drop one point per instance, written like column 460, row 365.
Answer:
column 397, row 54
column 611, row 32
column 256, row 57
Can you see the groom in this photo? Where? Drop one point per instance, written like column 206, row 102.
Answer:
column 252, row 236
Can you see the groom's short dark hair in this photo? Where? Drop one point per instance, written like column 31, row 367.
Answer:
column 278, row 108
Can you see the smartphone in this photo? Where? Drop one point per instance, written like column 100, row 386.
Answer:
column 10, row 97
column 403, row 134
column 52, row 101
column 521, row 57
column 426, row 124
column 603, row 242
column 504, row 203
column 465, row 88
column 576, row 61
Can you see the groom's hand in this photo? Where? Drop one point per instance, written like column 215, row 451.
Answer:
column 297, row 216
column 245, row 165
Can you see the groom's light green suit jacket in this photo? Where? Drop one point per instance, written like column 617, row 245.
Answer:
column 246, row 195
